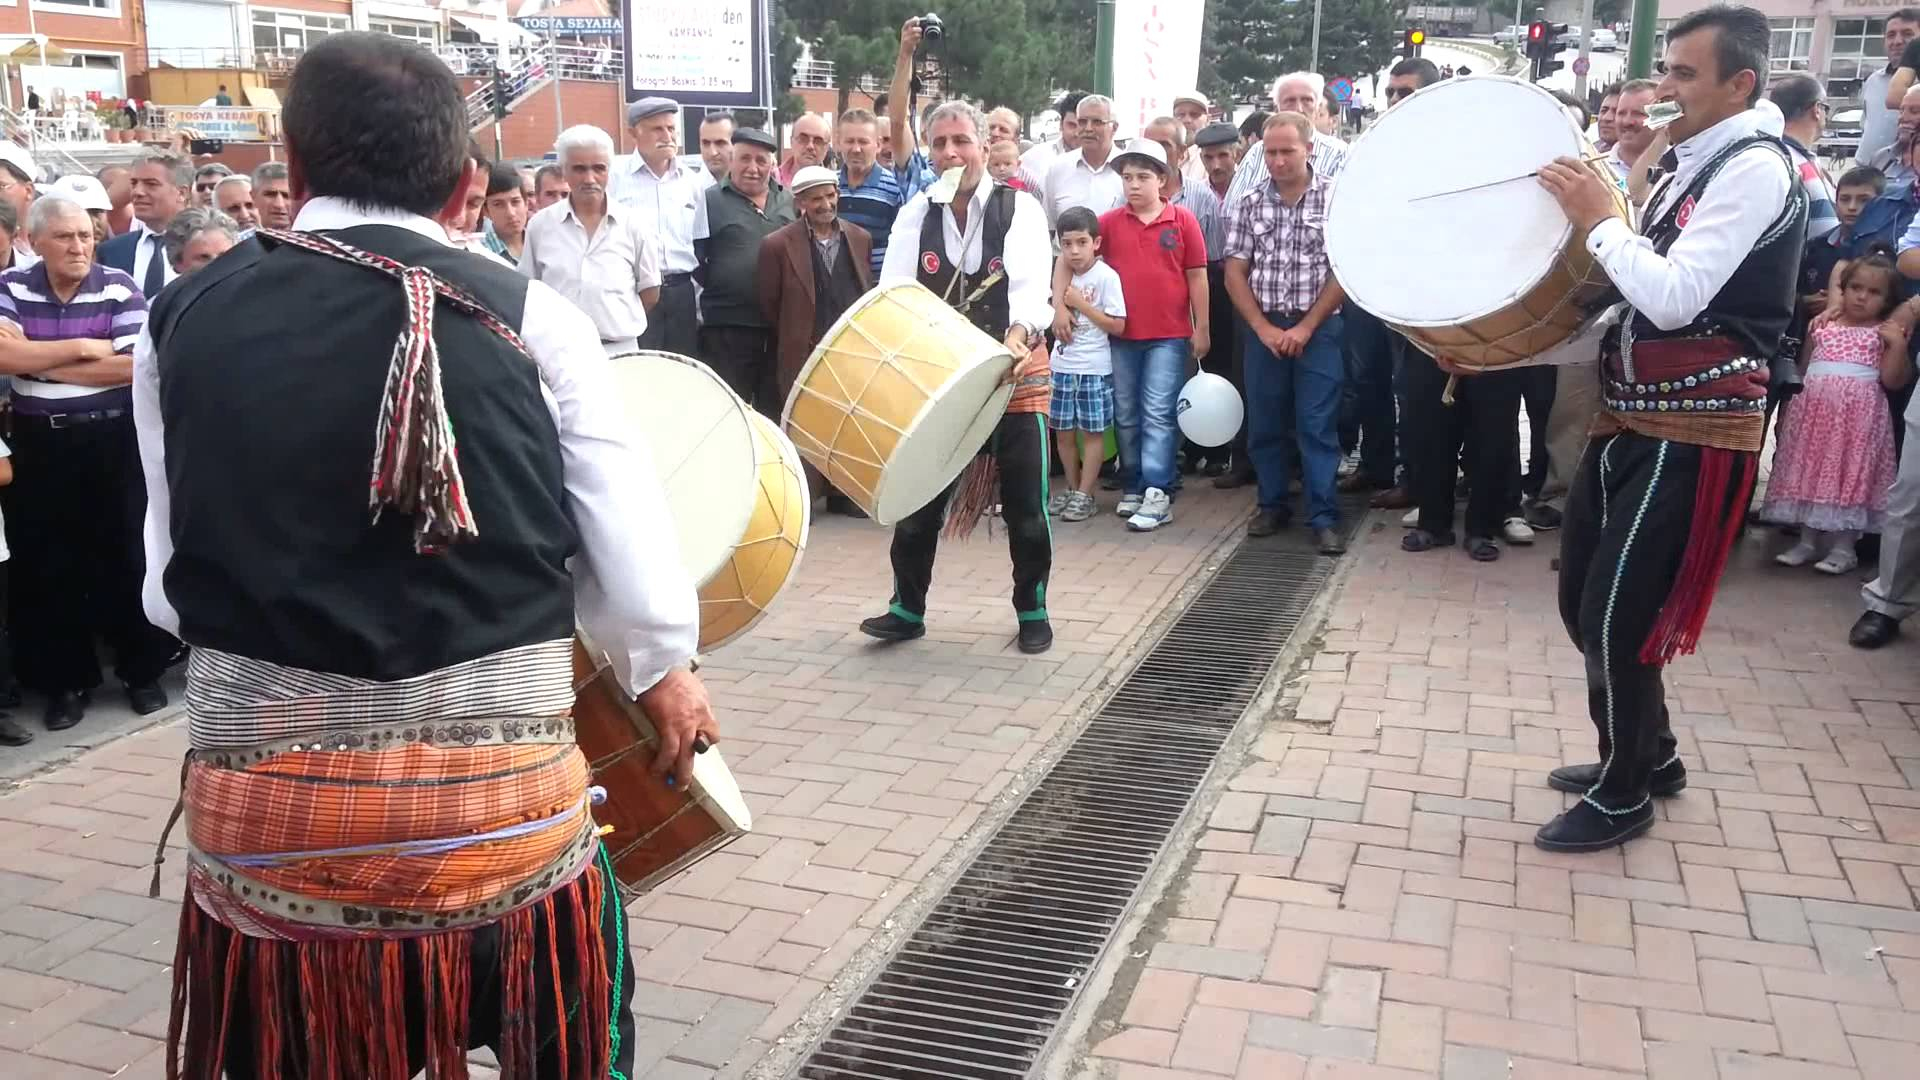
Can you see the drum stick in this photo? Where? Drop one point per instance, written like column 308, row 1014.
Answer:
column 1446, row 396
column 701, row 745
column 1496, row 183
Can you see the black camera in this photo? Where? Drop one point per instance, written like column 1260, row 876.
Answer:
column 931, row 28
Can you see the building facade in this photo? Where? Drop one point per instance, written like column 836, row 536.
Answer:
column 1839, row 40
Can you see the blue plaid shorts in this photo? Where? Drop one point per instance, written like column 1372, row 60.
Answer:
column 1081, row 402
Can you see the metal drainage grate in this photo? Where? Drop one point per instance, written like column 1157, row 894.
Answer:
column 976, row 991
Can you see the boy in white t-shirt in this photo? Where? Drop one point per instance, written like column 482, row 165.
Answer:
column 11, row 733
column 1082, row 361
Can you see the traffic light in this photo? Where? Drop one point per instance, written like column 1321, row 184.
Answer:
column 1545, row 42
column 1411, row 41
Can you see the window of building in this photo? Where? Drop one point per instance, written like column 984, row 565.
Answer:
column 293, row 31
column 1792, row 47
column 91, row 7
column 424, row 34
column 1859, row 48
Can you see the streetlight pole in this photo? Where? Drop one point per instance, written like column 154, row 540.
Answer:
column 1103, row 28
column 1640, row 48
column 1313, row 55
column 1586, row 48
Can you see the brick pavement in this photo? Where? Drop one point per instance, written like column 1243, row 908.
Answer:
column 868, row 770
column 1364, row 902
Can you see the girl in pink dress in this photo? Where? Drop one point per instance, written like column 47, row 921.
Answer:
column 1835, row 460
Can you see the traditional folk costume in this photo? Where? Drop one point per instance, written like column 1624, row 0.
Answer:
column 391, row 854
column 997, row 273
column 1663, row 488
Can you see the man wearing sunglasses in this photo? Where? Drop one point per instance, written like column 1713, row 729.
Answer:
column 205, row 181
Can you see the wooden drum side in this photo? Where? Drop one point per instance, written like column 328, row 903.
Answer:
column 769, row 553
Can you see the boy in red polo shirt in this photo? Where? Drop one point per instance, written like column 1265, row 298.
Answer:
column 1161, row 257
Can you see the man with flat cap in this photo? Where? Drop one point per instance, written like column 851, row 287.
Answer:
column 742, row 210
column 670, row 203
column 1192, row 109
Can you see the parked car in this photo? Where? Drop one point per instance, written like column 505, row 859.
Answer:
column 1842, row 136
column 1571, row 37
column 1509, row 34
column 1604, row 40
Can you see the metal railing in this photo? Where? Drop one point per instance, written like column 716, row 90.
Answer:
column 45, row 137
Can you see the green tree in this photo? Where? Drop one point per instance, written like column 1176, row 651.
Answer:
column 1248, row 42
column 1002, row 52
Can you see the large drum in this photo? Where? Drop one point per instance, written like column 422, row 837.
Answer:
column 657, row 831
column 733, row 481
column 899, row 396
column 1438, row 227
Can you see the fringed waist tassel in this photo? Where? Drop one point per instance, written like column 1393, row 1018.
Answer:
column 1721, row 494
column 348, row 1009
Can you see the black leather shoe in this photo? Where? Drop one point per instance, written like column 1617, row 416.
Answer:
column 1579, row 779
column 1235, row 477
column 1036, row 636
column 12, row 734
column 1584, row 828
column 891, row 627
column 10, row 697
column 1541, row 517
column 1266, row 523
column 146, row 698
column 845, row 507
column 1329, row 542
column 1873, row 630
column 65, row 709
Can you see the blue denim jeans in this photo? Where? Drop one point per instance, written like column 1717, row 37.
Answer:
column 1293, row 407
column 1146, row 395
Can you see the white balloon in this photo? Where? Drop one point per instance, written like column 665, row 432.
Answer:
column 1210, row 410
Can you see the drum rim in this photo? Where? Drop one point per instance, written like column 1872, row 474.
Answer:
column 745, row 410
column 791, row 454
column 1333, row 203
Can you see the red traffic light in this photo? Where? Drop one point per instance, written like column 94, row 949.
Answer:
column 1536, row 31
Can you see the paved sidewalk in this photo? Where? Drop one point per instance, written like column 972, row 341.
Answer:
column 1365, row 902
column 868, row 769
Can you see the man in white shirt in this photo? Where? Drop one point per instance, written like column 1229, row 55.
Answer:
column 1666, row 479
column 1878, row 128
column 1302, row 92
column 162, row 187
column 1040, row 157
column 1086, row 176
column 234, row 198
column 668, row 198
column 591, row 249
column 1632, row 135
column 378, row 604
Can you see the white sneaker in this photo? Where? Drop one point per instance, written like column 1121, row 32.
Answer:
column 1410, row 519
column 1799, row 554
column 1517, row 531
column 1156, row 509
column 1057, row 503
column 1128, row 504
column 1838, row 561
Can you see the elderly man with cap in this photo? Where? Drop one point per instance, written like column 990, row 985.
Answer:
column 17, row 175
column 1192, row 109
column 1216, row 147
column 668, row 199
column 90, row 194
column 810, row 272
column 590, row 248
column 736, row 337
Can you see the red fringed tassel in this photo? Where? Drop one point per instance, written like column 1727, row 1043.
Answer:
column 517, row 975
column 177, row 1007
column 1721, row 493
column 560, row 1033
column 416, row 467
column 594, row 1054
column 973, row 496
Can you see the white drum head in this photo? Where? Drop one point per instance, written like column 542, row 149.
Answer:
column 945, row 439
column 1444, row 261
column 702, row 443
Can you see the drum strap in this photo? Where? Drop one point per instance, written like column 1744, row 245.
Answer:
column 983, row 299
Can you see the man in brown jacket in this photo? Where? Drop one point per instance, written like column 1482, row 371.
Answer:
column 811, row 271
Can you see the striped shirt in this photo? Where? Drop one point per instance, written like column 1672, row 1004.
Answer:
column 1207, row 208
column 107, row 306
column 1285, row 245
column 1329, row 154
column 874, row 204
column 1822, row 218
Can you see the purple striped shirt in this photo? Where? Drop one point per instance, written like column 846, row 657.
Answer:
column 107, row 306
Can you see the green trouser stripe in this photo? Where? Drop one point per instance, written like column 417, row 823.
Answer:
column 610, row 909
column 896, row 609
column 1046, row 463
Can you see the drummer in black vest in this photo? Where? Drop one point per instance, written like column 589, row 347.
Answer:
column 983, row 248
column 1663, row 487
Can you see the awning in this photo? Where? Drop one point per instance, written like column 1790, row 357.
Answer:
column 26, row 49
column 491, row 31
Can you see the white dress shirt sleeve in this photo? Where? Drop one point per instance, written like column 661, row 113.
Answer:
column 1739, row 204
column 632, row 594
column 1028, row 257
column 901, row 264
column 157, row 535
column 1909, row 239
column 529, row 264
column 649, row 254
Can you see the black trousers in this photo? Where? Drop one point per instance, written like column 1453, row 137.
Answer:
column 674, row 324
column 1536, row 389
column 1226, row 358
column 75, row 515
column 1627, row 520
column 1483, row 420
column 743, row 356
column 485, row 1004
column 1020, row 444
column 1367, row 408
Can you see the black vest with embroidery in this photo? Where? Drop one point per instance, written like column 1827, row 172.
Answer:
column 272, row 364
column 954, row 285
column 1757, row 303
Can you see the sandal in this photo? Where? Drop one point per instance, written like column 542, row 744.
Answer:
column 1422, row 540
column 1481, row 549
